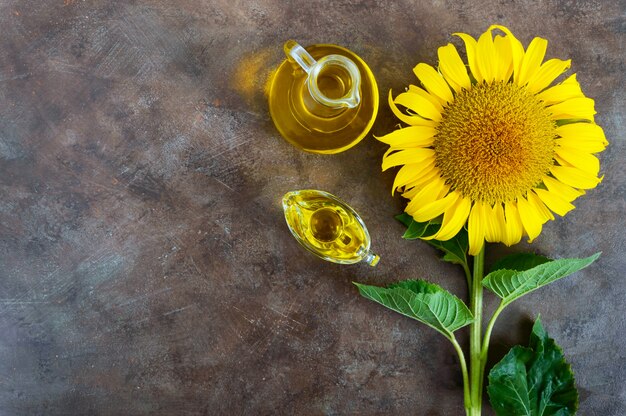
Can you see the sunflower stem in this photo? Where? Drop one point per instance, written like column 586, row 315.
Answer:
column 476, row 304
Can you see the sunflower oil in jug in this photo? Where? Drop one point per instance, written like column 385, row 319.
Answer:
column 323, row 99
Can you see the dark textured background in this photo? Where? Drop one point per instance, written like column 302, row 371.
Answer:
column 145, row 266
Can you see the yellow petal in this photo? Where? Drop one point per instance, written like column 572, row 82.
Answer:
column 427, row 194
column 409, row 193
column 486, row 58
column 470, row 51
column 413, row 188
column 435, row 101
column 532, row 60
column 426, row 176
column 570, row 88
column 583, row 132
column 554, row 202
column 453, row 68
column 575, row 177
column 580, row 107
column 453, row 219
column 492, row 230
column 496, row 225
column 517, row 50
column 562, row 161
column 411, row 120
column 406, row 174
column 407, row 156
column 433, row 82
column 579, row 159
column 514, row 228
column 505, row 56
column 419, row 105
column 544, row 213
column 435, row 208
column 588, row 146
column 563, row 191
column 476, row 229
column 410, row 173
column 412, row 136
column 587, row 131
column 547, row 73
column 531, row 218
column 571, row 80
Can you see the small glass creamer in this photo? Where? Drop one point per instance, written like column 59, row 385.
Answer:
column 328, row 227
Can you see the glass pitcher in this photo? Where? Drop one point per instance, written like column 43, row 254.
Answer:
column 323, row 99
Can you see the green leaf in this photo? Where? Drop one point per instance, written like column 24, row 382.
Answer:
column 533, row 381
column 423, row 301
column 513, row 284
column 519, row 262
column 455, row 249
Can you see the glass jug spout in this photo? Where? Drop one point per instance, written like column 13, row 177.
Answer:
column 333, row 81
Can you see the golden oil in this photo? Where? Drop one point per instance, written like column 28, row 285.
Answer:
column 328, row 227
column 314, row 124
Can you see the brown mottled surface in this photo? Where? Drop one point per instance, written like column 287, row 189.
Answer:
column 145, row 267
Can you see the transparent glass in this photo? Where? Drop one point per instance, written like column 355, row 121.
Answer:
column 333, row 81
column 323, row 99
column 328, row 227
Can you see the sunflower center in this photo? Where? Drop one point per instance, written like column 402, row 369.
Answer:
column 494, row 142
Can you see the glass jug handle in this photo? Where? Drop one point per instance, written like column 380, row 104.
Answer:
column 296, row 52
column 313, row 68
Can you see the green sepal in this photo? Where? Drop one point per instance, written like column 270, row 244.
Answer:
column 404, row 218
column 455, row 249
column 416, row 229
column 423, row 301
column 533, row 381
column 513, row 284
column 564, row 121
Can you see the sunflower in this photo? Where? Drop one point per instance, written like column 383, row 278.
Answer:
column 494, row 148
